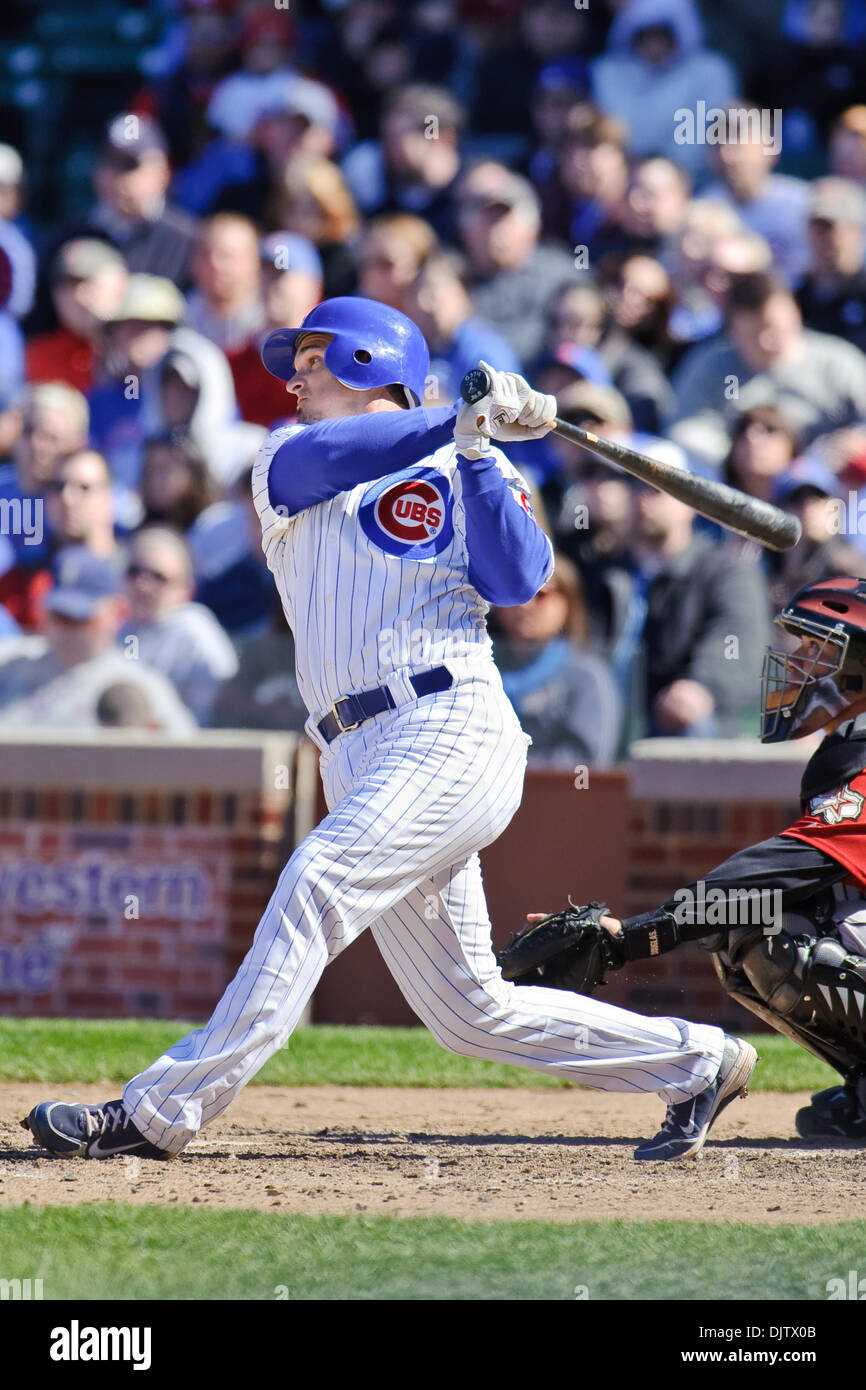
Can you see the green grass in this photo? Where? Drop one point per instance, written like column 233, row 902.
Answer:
column 62, row 1050
column 182, row 1254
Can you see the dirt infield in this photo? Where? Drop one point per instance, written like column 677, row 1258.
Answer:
column 560, row 1155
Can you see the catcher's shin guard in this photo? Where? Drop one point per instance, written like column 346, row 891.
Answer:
column 812, row 991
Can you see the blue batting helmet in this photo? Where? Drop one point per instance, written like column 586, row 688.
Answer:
column 372, row 345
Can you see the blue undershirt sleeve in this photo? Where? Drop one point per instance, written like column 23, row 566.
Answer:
column 332, row 456
column 510, row 557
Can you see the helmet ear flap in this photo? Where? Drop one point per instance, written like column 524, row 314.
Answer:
column 371, row 346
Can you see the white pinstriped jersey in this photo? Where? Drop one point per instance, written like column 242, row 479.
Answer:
column 374, row 581
column 408, row 813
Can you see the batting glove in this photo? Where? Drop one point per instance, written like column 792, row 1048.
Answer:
column 511, row 410
column 470, row 441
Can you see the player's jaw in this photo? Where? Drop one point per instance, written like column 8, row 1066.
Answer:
column 307, row 414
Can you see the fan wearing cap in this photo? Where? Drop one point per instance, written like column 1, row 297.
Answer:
column 513, row 276
column 832, row 296
column 56, row 680
column 803, row 972
column 814, row 494
column 591, row 507
column 145, row 332
column 135, row 339
column 131, row 178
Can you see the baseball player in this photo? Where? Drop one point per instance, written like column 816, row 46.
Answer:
column 389, row 529
column 786, row 918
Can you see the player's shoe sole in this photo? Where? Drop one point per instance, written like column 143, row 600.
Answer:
column 686, row 1125
column 87, row 1131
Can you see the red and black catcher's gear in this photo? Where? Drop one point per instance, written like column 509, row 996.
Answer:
column 804, row 690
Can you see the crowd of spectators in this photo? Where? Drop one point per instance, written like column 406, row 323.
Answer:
column 659, row 223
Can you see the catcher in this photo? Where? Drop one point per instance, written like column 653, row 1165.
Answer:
column 805, row 973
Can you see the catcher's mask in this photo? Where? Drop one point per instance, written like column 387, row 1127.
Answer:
column 806, row 688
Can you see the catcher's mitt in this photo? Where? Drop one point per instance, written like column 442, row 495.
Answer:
column 568, row 950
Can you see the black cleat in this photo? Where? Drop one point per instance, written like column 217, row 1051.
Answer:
column 822, row 1100
column 87, row 1131
column 836, row 1113
column 687, row 1123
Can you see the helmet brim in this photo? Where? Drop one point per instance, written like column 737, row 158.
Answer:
column 278, row 352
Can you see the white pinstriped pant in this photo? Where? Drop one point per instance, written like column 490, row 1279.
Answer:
column 414, row 794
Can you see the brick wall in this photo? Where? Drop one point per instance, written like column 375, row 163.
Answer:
column 133, row 870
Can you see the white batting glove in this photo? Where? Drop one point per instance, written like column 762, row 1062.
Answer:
column 511, row 410
column 470, row 441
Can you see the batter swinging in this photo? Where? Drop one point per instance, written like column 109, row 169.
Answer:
column 389, row 529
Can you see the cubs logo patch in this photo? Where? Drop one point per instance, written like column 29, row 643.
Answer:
column 411, row 512
column 521, row 497
column 409, row 515
column 842, row 805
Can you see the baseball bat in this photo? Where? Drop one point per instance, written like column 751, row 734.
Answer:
column 737, row 511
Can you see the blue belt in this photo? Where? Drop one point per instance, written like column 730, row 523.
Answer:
column 351, row 710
